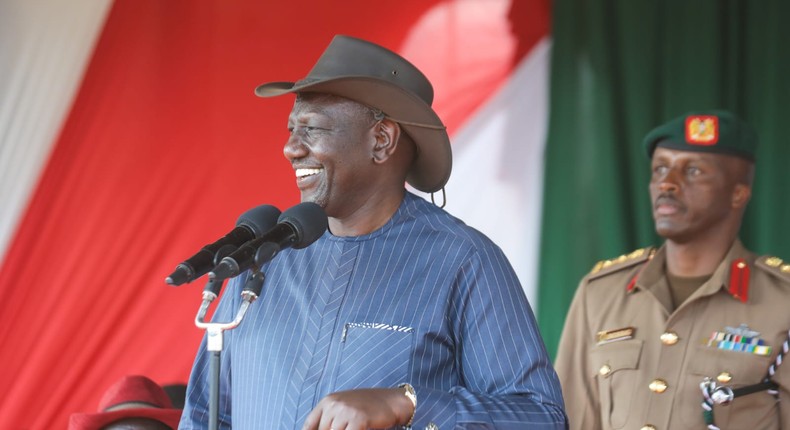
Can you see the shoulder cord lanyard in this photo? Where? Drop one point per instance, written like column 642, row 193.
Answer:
column 723, row 395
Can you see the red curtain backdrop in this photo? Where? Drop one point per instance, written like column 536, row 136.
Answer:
column 164, row 147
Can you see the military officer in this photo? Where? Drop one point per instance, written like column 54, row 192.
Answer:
column 685, row 336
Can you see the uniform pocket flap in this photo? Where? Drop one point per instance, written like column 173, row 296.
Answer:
column 741, row 368
column 614, row 356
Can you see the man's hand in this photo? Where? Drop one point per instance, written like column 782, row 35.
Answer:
column 362, row 409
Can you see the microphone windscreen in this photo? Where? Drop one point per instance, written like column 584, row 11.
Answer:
column 308, row 220
column 259, row 219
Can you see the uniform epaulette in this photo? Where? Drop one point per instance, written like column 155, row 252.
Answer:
column 774, row 265
column 606, row 267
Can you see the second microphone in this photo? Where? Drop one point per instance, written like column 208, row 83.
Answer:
column 297, row 227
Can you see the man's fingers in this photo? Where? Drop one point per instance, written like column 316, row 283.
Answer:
column 312, row 420
column 337, row 424
column 326, row 422
column 356, row 425
column 359, row 410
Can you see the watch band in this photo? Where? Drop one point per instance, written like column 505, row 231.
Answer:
column 411, row 395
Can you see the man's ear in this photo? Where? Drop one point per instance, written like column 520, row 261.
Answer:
column 387, row 134
column 741, row 195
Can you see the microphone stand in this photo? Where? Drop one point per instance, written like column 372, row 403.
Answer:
column 215, row 330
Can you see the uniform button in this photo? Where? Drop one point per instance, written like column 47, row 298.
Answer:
column 724, row 377
column 605, row 370
column 669, row 338
column 658, row 386
column 648, row 427
column 431, row 426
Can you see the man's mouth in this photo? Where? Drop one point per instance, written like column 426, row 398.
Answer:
column 303, row 173
column 666, row 205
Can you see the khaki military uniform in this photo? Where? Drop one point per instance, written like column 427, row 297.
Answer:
column 626, row 362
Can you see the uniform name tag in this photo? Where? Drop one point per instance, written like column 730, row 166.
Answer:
column 615, row 335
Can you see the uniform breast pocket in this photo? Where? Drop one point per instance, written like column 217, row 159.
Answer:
column 734, row 369
column 614, row 365
column 374, row 355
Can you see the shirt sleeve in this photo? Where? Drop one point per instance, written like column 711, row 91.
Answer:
column 573, row 367
column 506, row 380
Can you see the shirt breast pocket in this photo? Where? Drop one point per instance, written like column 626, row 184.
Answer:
column 374, row 355
column 615, row 366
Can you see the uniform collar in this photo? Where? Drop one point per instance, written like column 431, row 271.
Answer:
column 732, row 275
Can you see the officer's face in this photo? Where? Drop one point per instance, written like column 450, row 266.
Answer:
column 330, row 151
column 696, row 195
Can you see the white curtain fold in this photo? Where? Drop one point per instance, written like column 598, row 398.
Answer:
column 45, row 47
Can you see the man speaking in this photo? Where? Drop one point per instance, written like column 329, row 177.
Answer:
column 400, row 314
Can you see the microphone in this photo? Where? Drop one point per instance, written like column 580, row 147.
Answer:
column 297, row 228
column 251, row 224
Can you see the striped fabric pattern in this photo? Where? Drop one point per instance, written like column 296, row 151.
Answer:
column 425, row 300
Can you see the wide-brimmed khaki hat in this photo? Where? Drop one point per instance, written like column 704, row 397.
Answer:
column 377, row 77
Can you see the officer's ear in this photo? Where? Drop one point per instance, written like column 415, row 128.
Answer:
column 743, row 173
column 741, row 195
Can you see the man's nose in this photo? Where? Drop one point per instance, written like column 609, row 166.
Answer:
column 294, row 148
column 669, row 182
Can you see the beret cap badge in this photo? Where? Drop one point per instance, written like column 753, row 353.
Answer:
column 702, row 129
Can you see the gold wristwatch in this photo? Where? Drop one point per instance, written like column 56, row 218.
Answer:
column 411, row 395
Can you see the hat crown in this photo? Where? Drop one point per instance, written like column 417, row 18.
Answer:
column 351, row 57
column 711, row 131
column 135, row 389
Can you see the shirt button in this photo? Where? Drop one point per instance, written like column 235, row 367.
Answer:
column 605, row 370
column 648, row 427
column 431, row 426
column 658, row 386
column 669, row 338
column 724, row 377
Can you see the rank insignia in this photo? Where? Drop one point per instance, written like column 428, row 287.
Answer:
column 702, row 130
column 605, row 267
column 739, row 280
column 741, row 339
column 615, row 335
column 774, row 265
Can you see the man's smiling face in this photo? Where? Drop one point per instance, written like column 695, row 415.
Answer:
column 330, row 150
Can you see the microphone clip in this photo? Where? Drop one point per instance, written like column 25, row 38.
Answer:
column 252, row 289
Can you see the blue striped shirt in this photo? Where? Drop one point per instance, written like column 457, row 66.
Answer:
column 425, row 300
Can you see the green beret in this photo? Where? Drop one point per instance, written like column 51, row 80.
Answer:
column 714, row 131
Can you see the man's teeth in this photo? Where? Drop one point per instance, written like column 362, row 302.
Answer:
column 301, row 173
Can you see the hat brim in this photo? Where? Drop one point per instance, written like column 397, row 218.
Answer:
column 81, row 421
column 669, row 143
column 433, row 164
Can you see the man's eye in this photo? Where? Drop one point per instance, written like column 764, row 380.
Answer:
column 693, row 171
column 659, row 169
column 306, row 129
